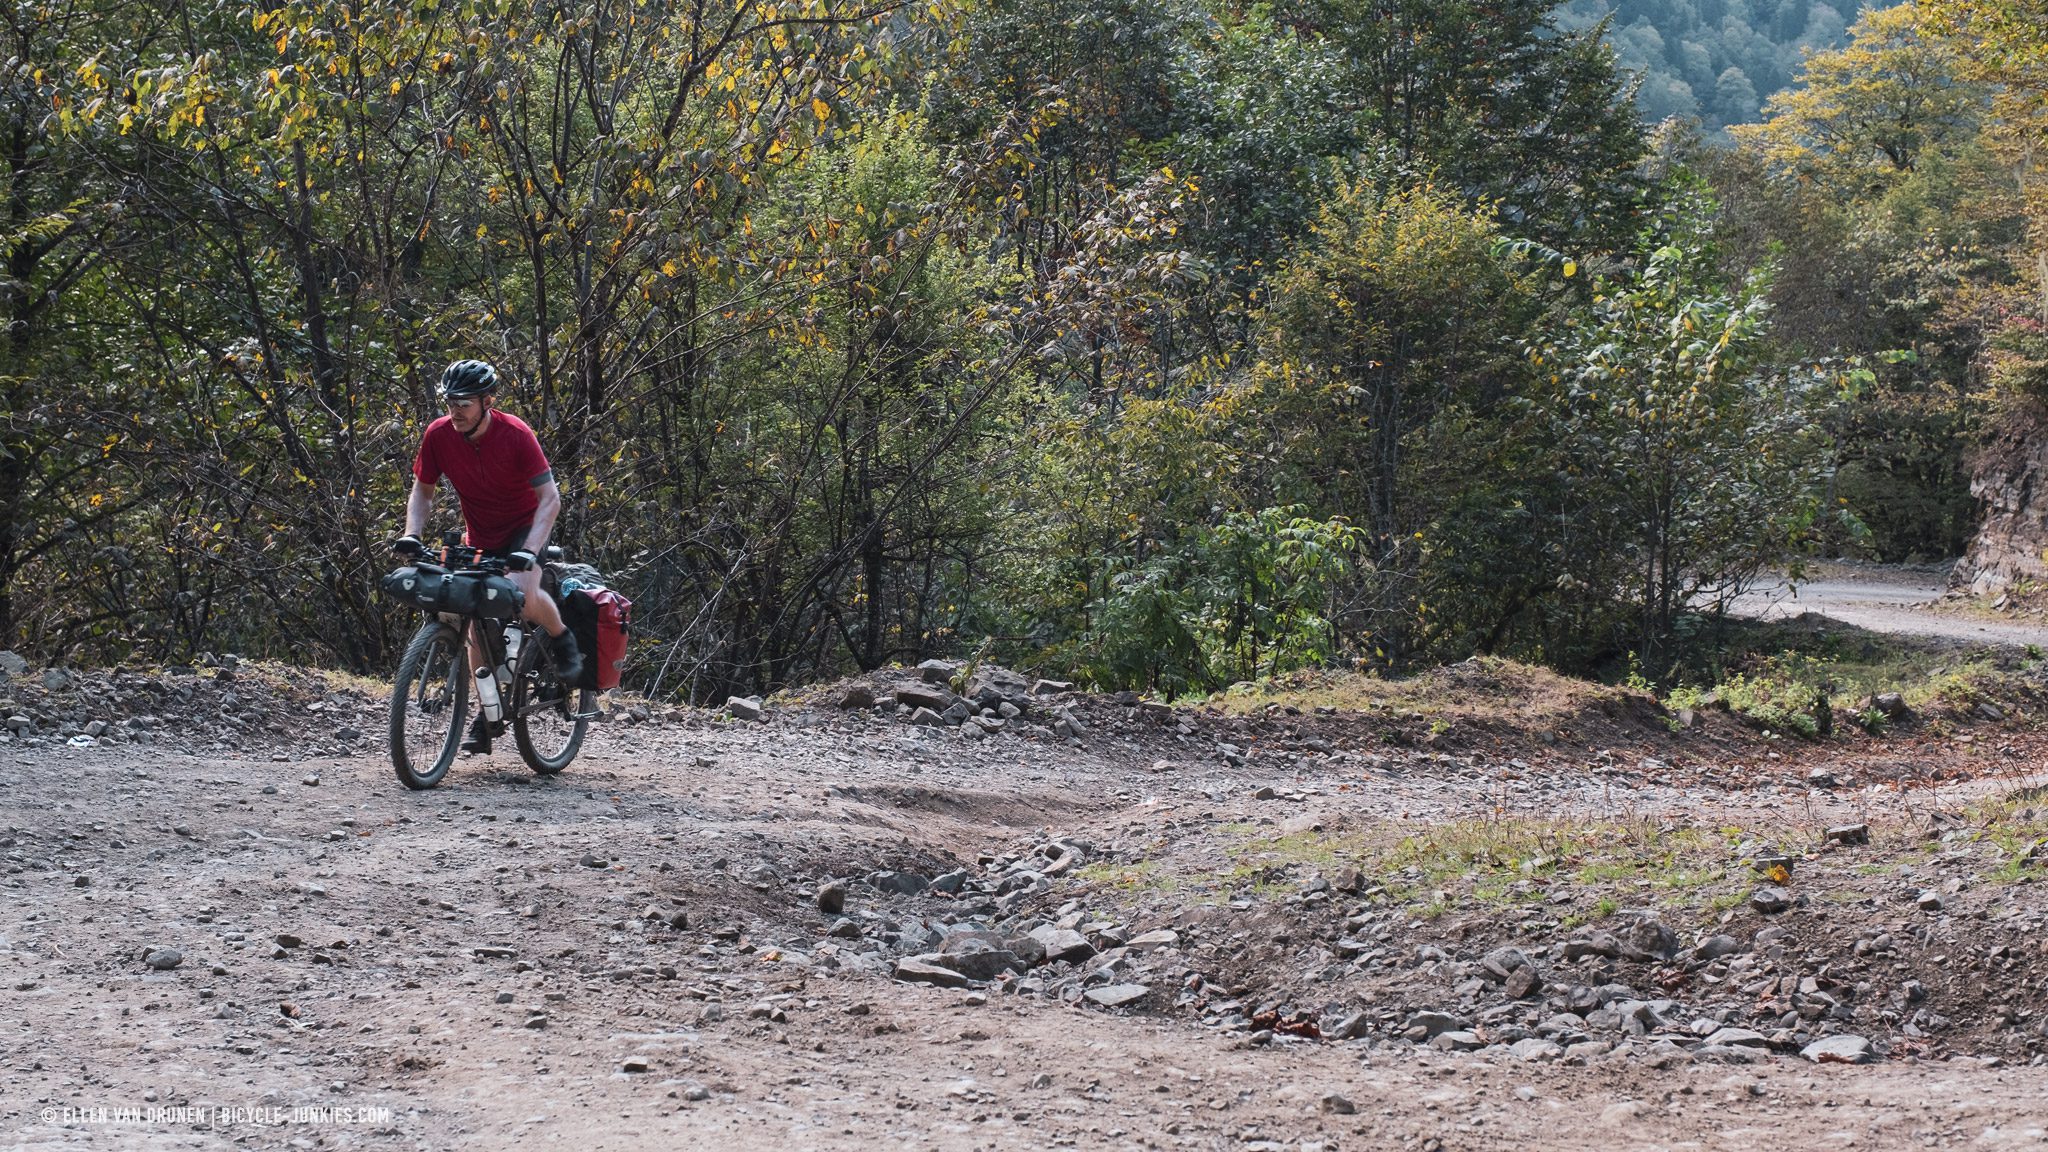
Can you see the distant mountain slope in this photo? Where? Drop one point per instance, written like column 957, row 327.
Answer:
column 1718, row 60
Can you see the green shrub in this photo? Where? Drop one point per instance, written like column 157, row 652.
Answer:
column 1245, row 599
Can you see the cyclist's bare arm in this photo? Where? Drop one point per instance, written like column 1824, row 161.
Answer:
column 417, row 505
column 545, row 513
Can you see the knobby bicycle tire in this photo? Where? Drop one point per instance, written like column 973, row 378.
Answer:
column 536, row 717
column 432, row 689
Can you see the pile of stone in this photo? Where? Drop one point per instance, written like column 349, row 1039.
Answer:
column 217, row 703
column 941, row 694
column 998, row 941
column 1565, row 1003
column 1072, row 957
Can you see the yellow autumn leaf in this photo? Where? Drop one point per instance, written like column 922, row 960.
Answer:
column 821, row 110
column 1571, row 269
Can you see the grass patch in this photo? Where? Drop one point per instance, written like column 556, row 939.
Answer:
column 350, row 682
column 1500, row 892
column 1145, row 876
column 1726, row 901
column 1483, row 687
column 1608, row 871
column 1266, row 863
column 2018, row 825
column 1494, row 862
column 1687, row 879
column 1501, row 864
column 1311, row 848
column 1494, row 857
column 1808, row 675
column 1786, row 695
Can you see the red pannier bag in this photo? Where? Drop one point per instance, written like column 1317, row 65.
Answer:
column 614, row 624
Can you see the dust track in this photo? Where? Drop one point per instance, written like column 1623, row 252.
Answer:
column 1900, row 600
column 498, row 963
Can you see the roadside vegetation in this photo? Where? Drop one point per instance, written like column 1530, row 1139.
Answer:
column 1164, row 346
column 1503, row 865
column 1810, row 678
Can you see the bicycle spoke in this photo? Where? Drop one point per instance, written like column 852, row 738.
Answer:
column 549, row 717
column 429, row 704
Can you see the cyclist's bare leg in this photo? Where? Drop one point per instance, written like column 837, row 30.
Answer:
column 540, row 608
column 478, row 658
column 479, row 733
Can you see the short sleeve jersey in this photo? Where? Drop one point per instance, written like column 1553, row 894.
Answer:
column 493, row 477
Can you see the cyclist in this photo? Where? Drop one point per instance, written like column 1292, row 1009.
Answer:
column 509, row 503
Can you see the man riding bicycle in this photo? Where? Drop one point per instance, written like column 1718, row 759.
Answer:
column 509, row 503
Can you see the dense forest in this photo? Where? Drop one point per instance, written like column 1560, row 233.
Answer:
column 1167, row 342
column 1716, row 61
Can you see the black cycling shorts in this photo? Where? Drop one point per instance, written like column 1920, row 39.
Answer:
column 515, row 541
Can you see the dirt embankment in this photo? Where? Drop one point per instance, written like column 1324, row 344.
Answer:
column 1494, row 909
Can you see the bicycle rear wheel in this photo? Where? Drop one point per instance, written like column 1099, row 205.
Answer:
column 549, row 718
column 429, row 703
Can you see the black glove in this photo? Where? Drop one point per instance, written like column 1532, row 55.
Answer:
column 519, row 561
column 408, row 547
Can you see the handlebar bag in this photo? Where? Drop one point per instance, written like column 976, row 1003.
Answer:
column 421, row 587
column 462, row 593
column 474, row 594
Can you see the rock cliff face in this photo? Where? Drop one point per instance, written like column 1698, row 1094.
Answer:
column 2011, row 478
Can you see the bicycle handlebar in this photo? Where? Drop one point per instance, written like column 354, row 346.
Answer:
column 456, row 556
column 462, row 557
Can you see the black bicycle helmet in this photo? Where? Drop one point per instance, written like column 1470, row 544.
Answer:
column 466, row 378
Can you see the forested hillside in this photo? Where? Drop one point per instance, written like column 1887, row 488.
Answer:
column 1714, row 60
column 1165, row 342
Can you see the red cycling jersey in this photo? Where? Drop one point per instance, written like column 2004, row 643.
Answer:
column 494, row 476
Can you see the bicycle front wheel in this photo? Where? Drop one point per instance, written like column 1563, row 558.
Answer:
column 429, row 703
column 549, row 718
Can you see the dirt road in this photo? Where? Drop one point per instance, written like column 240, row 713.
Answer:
column 633, row 955
column 1896, row 599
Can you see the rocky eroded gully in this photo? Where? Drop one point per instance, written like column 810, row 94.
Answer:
column 1505, row 911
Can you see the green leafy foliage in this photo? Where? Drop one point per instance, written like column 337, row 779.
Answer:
column 1883, row 190
column 1250, row 597
column 1497, row 97
column 1715, row 61
column 1693, row 460
column 1387, row 338
column 1175, row 342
